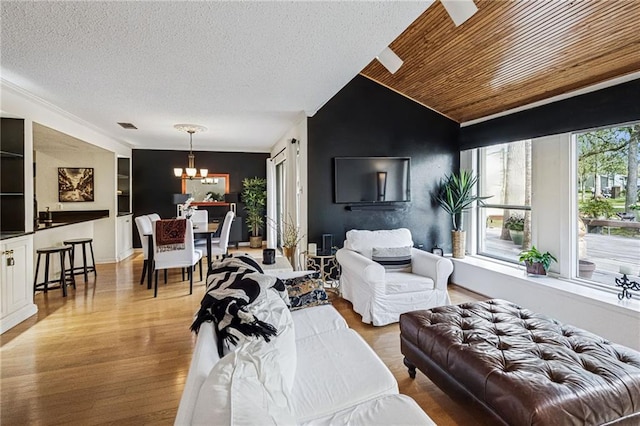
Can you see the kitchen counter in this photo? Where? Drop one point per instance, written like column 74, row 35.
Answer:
column 69, row 217
column 13, row 234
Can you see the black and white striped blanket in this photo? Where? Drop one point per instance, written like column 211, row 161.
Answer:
column 233, row 284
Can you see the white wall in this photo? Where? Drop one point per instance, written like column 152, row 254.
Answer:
column 19, row 104
column 101, row 161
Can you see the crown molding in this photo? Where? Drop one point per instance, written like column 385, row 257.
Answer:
column 6, row 84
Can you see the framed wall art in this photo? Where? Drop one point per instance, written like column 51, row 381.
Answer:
column 75, row 184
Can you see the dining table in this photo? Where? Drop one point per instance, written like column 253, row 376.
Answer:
column 205, row 229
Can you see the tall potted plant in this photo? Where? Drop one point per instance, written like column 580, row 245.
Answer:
column 254, row 197
column 455, row 195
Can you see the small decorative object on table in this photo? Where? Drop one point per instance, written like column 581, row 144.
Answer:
column 626, row 284
column 187, row 209
column 437, row 250
column 269, row 256
column 327, row 244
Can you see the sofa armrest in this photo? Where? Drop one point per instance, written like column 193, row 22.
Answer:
column 436, row 267
column 362, row 267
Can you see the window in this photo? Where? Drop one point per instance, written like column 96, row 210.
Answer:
column 608, row 205
column 281, row 190
column 504, row 222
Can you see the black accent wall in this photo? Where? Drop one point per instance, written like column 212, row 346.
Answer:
column 367, row 119
column 613, row 105
column 154, row 182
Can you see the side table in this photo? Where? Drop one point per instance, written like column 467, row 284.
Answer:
column 327, row 266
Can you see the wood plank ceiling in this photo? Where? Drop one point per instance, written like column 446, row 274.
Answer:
column 512, row 53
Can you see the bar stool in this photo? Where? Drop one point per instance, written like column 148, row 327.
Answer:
column 65, row 274
column 84, row 269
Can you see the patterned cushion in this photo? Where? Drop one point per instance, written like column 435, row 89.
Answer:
column 394, row 259
column 305, row 292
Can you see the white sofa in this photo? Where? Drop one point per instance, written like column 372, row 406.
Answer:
column 380, row 295
column 339, row 380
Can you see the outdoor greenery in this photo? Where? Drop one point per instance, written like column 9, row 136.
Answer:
column 254, row 197
column 597, row 207
column 514, row 223
column 455, row 195
column 534, row 255
column 609, row 152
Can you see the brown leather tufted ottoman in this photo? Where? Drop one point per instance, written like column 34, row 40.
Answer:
column 523, row 368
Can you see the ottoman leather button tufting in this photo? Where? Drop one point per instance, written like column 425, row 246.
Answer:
column 522, row 367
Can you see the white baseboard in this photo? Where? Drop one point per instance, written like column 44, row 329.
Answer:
column 17, row 317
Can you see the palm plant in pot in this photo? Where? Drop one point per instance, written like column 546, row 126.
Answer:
column 254, row 197
column 455, row 195
column 537, row 263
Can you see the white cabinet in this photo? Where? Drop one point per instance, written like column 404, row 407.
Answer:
column 124, row 236
column 16, row 281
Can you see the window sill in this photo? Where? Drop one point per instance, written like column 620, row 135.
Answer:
column 555, row 284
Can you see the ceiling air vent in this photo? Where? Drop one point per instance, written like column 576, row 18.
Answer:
column 128, row 126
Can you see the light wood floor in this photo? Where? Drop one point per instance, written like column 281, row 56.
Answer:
column 110, row 353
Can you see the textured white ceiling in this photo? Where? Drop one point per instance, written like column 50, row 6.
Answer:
column 247, row 71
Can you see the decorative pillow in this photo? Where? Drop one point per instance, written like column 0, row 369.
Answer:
column 394, row 259
column 306, row 291
column 363, row 241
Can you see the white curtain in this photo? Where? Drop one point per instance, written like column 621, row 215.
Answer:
column 272, row 234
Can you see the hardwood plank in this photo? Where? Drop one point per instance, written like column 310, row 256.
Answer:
column 112, row 354
column 511, row 53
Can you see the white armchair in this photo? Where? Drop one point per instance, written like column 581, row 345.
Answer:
column 380, row 295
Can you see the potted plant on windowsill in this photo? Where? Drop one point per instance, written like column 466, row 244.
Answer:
column 455, row 195
column 254, row 197
column 515, row 225
column 537, row 263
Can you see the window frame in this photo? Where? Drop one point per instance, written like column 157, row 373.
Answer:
column 481, row 216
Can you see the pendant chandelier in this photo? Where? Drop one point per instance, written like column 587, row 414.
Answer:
column 190, row 170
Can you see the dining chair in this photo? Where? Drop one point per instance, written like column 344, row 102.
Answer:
column 184, row 257
column 153, row 217
column 219, row 246
column 200, row 216
column 143, row 223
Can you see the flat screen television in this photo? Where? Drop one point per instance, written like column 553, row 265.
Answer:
column 372, row 179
